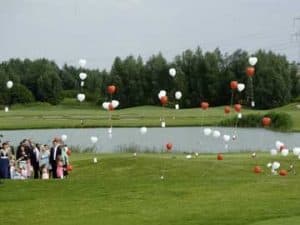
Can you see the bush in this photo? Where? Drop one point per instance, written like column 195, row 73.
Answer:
column 280, row 121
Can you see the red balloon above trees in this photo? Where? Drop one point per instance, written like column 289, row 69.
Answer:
column 164, row 100
column 111, row 89
column 250, row 71
column 233, row 85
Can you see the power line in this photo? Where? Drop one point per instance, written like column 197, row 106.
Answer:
column 296, row 34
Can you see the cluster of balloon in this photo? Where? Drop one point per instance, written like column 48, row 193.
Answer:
column 250, row 71
column 9, row 85
column 178, row 96
column 82, row 77
column 110, row 106
column 163, row 98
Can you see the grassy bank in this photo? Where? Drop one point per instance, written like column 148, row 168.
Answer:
column 70, row 113
column 122, row 189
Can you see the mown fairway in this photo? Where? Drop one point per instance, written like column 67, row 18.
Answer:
column 122, row 189
column 70, row 113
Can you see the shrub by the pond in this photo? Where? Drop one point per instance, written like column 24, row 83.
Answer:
column 280, row 121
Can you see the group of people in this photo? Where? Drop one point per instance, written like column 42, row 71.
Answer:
column 36, row 161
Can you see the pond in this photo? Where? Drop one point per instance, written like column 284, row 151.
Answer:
column 188, row 139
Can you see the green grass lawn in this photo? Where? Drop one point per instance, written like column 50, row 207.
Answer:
column 70, row 113
column 122, row 189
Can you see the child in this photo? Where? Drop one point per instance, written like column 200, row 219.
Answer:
column 45, row 174
column 60, row 168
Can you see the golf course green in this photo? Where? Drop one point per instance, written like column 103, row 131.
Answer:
column 124, row 189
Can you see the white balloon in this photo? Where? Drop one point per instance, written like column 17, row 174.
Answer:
column 240, row 115
column 163, row 124
column 82, row 76
column 273, row 152
column 162, row 93
column 105, row 105
column 95, row 160
column 279, row 144
column 252, row 104
column 82, row 62
column 172, row 72
column 82, row 83
column 115, row 103
column 275, row 165
column 207, row 131
column 284, row 152
column 64, row 137
column 9, row 84
column 178, row 95
column 6, row 109
column 240, row 87
column 94, row 139
column 269, row 165
column 188, row 156
column 109, row 130
column 226, row 137
column 177, row 106
column 252, row 61
column 80, row 97
column 296, row 151
column 143, row 130
column 216, row 134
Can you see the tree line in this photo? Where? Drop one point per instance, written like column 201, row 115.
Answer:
column 201, row 76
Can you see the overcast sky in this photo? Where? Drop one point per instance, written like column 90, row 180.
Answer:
column 100, row 30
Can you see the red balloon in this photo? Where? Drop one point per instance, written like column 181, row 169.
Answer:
column 69, row 152
column 283, row 172
column 250, row 71
column 220, row 156
column 169, row 146
column 227, row 109
column 257, row 169
column 266, row 121
column 204, row 105
column 69, row 167
column 237, row 107
column 164, row 100
column 110, row 107
column 111, row 89
column 233, row 84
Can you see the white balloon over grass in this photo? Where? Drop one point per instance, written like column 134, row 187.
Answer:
column 115, row 103
column 273, row 152
column 105, row 105
column 178, row 95
column 177, row 106
column 9, row 84
column 296, row 151
column 80, row 97
column 143, row 130
column 172, row 72
column 275, row 165
column 162, row 93
column 284, row 152
column 269, row 165
column 279, row 144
